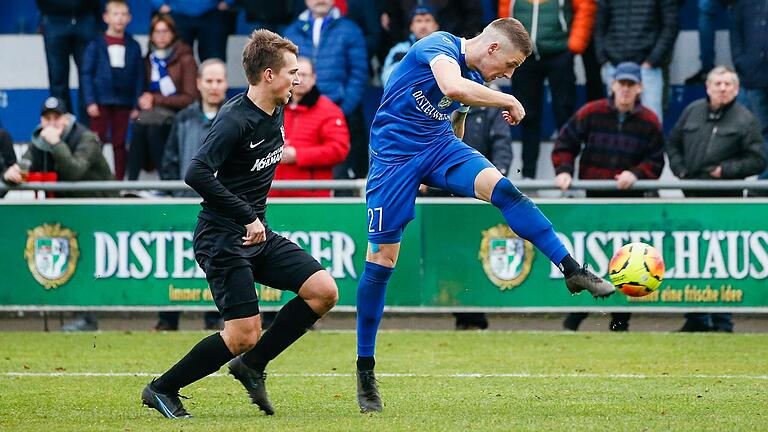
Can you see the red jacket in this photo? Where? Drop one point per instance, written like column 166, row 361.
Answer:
column 317, row 129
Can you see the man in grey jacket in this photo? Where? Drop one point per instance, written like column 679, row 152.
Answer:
column 715, row 138
column 65, row 147
column 62, row 145
column 190, row 126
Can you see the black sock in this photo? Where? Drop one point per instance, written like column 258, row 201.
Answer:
column 569, row 266
column 202, row 360
column 366, row 363
column 293, row 320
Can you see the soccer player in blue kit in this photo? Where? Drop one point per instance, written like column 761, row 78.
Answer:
column 416, row 138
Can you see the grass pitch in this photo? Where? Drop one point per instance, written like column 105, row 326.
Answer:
column 429, row 381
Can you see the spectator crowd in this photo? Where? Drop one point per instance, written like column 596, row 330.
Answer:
column 155, row 109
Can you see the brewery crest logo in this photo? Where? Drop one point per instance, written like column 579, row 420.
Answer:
column 51, row 254
column 507, row 259
column 445, row 102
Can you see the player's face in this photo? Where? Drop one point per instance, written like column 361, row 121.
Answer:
column 117, row 16
column 307, row 78
column 500, row 61
column 212, row 84
column 625, row 93
column 284, row 80
column 722, row 89
column 423, row 25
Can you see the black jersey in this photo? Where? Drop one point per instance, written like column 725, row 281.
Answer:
column 234, row 168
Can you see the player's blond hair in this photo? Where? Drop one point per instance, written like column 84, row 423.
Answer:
column 514, row 31
column 264, row 50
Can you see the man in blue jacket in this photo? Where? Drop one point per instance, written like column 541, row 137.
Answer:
column 336, row 46
column 113, row 79
column 749, row 49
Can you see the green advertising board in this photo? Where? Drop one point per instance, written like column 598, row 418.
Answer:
column 457, row 254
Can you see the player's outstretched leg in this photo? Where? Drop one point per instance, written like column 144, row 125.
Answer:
column 529, row 222
column 370, row 308
column 583, row 279
column 205, row 358
column 317, row 295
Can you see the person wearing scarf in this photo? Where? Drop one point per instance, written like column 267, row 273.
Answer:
column 170, row 74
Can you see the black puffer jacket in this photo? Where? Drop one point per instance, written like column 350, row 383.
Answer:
column 635, row 30
column 701, row 140
column 68, row 7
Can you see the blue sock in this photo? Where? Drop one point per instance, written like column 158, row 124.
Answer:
column 370, row 306
column 527, row 220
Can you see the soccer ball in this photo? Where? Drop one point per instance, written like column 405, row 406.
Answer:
column 636, row 269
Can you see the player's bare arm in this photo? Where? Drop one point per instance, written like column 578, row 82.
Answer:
column 458, row 119
column 452, row 84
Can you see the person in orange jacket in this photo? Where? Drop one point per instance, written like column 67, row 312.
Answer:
column 559, row 30
column 316, row 136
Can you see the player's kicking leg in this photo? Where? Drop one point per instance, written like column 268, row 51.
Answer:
column 528, row 222
column 379, row 264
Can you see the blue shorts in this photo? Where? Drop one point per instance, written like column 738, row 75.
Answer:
column 391, row 190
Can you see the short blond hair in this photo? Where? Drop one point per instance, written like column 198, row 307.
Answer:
column 264, row 50
column 514, row 31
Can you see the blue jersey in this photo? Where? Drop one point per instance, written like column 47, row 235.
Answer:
column 414, row 113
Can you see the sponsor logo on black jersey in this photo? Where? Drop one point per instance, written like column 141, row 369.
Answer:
column 270, row 159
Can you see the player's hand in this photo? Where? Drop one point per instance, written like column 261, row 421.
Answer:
column 13, row 174
column 51, row 135
column 134, row 114
column 254, row 233
column 563, row 181
column 717, row 172
column 223, row 6
column 93, row 110
column 515, row 113
column 625, row 180
column 164, row 9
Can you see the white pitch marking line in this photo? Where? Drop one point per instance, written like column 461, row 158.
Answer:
column 401, row 375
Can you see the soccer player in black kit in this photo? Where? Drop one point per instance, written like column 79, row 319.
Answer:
column 233, row 172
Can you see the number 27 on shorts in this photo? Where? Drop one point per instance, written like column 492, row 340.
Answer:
column 374, row 219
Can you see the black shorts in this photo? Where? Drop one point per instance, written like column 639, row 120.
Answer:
column 231, row 268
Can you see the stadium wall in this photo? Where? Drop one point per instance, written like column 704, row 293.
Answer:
column 457, row 254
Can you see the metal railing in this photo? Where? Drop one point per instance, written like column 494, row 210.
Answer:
column 359, row 185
